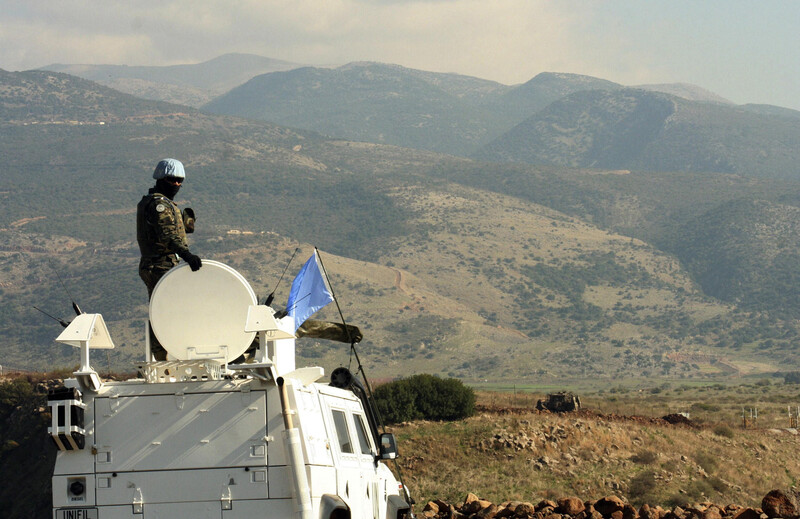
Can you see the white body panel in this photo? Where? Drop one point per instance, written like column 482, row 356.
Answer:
column 213, row 449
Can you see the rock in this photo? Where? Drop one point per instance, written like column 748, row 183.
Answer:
column 608, row 505
column 695, row 511
column 590, row 511
column 747, row 513
column 546, row 503
column 648, row 512
column 473, row 507
column 570, row 506
column 431, row 507
column 470, row 498
column 524, row 510
column 779, row 504
column 488, row 512
column 712, row 512
column 628, row 512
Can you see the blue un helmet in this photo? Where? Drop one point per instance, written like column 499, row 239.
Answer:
column 169, row 168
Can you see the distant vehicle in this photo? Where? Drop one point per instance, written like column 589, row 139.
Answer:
column 561, row 402
column 202, row 436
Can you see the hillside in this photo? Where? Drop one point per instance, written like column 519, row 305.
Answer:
column 746, row 251
column 637, row 130
column 389, row 104
column 370, row 102
column 44, row 97
column 526, row 99
column 451, row 266
column 190, row 84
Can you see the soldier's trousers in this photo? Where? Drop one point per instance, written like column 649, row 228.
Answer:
column 151, row 272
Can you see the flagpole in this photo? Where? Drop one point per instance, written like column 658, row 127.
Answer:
column 352, row 343
column 333, row 294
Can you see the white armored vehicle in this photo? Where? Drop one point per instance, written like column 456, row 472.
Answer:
column 199, row 436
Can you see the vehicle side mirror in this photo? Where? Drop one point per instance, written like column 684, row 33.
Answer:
column 388, row 446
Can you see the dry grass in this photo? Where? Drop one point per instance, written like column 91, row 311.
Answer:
column 591, row 457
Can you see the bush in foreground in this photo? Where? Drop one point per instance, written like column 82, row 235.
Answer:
column 424, row 397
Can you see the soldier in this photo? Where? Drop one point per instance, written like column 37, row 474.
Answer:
column 161, row 229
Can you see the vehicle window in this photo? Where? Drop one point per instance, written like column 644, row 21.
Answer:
column 342, row 431
column 361, row 431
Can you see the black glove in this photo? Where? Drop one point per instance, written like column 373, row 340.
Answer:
column 194, row 261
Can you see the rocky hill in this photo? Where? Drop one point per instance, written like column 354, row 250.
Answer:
column 719, row 248
column 526, row 99
column 634, row 129
column 45, row 97
column 370, row 102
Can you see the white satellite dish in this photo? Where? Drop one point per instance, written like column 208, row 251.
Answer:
column 202, row 314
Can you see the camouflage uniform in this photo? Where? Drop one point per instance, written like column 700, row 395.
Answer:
column 161, row 233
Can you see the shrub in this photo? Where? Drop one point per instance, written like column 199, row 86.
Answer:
column 723, row 430
column 424, row 397
column 645, row 457
column 642, row 486
column 706, row 460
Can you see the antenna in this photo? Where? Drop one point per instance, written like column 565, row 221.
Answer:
column 75, row 306
column 271, row 296
column 62, row 322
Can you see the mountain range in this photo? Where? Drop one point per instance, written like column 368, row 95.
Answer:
column 476, row 269
column 191, row 85
column 555, row 118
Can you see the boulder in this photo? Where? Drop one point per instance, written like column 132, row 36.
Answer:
column 780, row 504
column 608, row 505
column 712, row 512
column 747, row 513
column 524, row 510
column 477, row 505
column 648, row 512
column 570, row 506
column 487, row 512
column 473, row 504
column 505, row 511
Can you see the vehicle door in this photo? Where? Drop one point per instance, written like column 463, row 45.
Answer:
column 353, row 477
column 367, row 454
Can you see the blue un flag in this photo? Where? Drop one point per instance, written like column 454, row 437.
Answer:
column 310, row 292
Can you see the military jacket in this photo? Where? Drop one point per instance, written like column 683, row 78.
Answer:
column 160, row 228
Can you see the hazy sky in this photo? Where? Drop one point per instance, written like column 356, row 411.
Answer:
column 746, row 51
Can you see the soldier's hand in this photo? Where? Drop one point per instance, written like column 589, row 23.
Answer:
column 194, row 261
